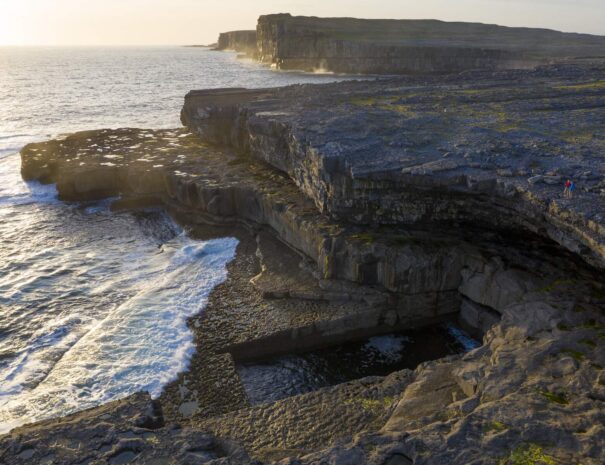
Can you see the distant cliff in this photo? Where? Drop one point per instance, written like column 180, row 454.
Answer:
column 240, row 41
column 410, row 46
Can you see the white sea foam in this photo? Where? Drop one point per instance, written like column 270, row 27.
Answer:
column 72, row 279
column 390, row 346
column 15, row 191
column 463, row 338
column 140, row 346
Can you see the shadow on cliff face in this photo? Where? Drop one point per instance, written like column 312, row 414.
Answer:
column 302, row 360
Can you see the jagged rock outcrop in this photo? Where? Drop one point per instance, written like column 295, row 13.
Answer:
column 348, row 45
column 239, row 41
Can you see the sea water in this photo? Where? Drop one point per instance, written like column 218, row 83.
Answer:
column 93, row 304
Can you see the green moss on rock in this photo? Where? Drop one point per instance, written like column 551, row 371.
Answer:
column 595, row 85
column 367, row 238
column 528, row 454
column 494, row 427
column 374, row 406
column 556, row 397
column 589, row 343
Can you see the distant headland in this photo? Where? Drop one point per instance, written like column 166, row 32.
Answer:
column 374, row 46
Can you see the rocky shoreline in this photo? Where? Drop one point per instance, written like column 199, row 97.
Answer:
column 363, row 208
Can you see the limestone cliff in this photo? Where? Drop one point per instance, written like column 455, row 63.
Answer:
column 473, row 148
column 350, row 45
column 239, row 41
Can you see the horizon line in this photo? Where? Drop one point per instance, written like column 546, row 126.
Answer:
column 105, row 45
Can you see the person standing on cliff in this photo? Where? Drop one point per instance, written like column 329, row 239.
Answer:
column 572, row 188
column 566, row 190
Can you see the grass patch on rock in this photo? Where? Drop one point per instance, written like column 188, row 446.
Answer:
column 556, row 397
column 588, row 343
column 384, row 103
column 374, row 406
column 528, row 454
column 494, row 427
column 366, row 238
column 555, row 284
column 596, row 85
column 369, row 101
column 592, row 324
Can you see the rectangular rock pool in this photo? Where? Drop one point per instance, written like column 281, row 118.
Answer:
column 285, row 376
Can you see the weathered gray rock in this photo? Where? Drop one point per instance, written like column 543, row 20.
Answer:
column 127, row 431
column 358, row 150
column 478, row 319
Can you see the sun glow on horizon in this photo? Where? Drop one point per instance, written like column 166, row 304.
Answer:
column 12, row 16
column 183, row 22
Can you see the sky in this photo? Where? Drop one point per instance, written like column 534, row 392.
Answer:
column 185, row 22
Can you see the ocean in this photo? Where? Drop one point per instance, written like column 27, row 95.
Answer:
column 94, row 304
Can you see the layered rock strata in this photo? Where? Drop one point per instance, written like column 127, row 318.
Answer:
column 476, row 148
column 176, row 168
column 239, row 41
column 347, row 45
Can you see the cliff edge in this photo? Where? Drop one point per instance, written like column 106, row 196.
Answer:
column 239, row 41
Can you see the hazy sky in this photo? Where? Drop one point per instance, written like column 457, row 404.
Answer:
column 121, row 22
